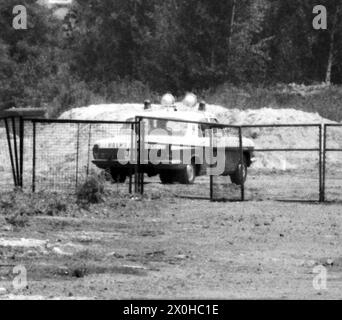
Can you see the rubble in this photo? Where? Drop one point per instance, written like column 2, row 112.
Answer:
column 23, row 243
column 3, row 291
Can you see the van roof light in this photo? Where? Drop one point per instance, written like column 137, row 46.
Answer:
column 147, row 104
column 168, row 100
column 202, row 106
column 190, row 100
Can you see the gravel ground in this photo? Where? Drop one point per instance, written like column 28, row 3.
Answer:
column 172, row 246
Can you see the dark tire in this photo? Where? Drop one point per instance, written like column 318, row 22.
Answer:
column 118, row 177
column 166, row 177
column 236, row 177
column 122, row 178
column 188, row 174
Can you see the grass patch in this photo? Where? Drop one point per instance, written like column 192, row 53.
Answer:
column 92, row 199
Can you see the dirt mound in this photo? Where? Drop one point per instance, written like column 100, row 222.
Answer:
column 282, row 138
column 264, row 138
column 120, row 112
column 269, row 116
column 116, row 112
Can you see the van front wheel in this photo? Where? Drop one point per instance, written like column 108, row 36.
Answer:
column 238, row 178
column 118, row 177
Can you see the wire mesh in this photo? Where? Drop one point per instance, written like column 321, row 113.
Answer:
column 64, row 154
column 288, row 162
column 332, row 164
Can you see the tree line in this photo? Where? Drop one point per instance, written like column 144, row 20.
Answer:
column 117, row 49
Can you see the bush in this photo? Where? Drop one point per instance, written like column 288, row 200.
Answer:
column 33, row 204
column 18, row 219
column 72, row 93
column 91, row 191
column 56, row 206
column 16, row 209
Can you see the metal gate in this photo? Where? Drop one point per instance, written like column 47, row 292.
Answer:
column 56, row 155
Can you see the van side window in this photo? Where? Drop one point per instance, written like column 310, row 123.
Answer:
column 202, row 128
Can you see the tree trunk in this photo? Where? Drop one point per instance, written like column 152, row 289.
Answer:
column 330, row 63
column 332, row 47
column 232, row 21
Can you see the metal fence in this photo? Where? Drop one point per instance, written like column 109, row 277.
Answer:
column 282, row 171
column 54, row 155
column 297, row 176
column 295, row 155
column 57, row 155
column 332, row 163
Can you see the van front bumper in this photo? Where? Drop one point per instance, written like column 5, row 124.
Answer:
column 105, row 164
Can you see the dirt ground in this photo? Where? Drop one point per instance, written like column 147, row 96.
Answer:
column 172, row 246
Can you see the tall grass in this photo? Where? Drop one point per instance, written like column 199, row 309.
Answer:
column 327, row 102
column 80, row 94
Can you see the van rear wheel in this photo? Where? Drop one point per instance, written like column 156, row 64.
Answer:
column 118, row 177
column 188, row 174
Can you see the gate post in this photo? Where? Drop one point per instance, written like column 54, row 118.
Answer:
column 21, row 150
column 241, row 166
column 15, row 146
column 324, row 162
column 211, row 152
column 11, row 152
column 138, row 155
column 320, row 164
column 142, row 153
column 131, row 157
column 34, row 158
column 77, row 154
column 89, row 146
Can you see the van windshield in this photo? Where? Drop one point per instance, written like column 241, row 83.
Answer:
column 171, row 128
column 177, row 128
column 156, row 127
